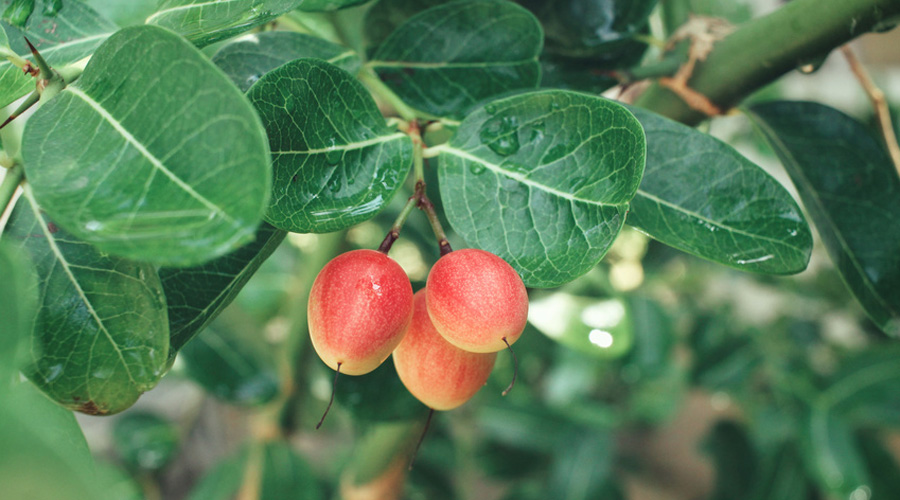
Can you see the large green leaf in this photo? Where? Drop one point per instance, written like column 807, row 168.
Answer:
column 43, row 454
column 336, row 161
column 248, row 58
column 448, row 58
column 603, row 328
column 701, row 196
column 100, row 334
column 196, row 295
column 18, row 294
column 232, row 365
column 66, row 36
column 153, row 155
column 206, row 21
column 596, row 29
column 285, row 475
column 866, row 389
column 543, row 180
column 851, row 190
column 145, row 441
column 832, row 454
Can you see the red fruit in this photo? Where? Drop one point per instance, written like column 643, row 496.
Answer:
column 435, row 371
column 360, row 307
column 476, row 300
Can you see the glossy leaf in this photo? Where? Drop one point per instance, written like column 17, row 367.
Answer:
column 852, row 192
column 145, row 441
column 18, row 295
column 123, row 163
column 543, row 180
column 196, row 295
column 833, row 457
column 285, row 475
column 385, row 16
column 378, row 395
column 248, row 58
column 100, row 334
column 447, row 59
column 602, row 328
column 42, row 451
column 597, row 29
column 701, row 196
column 206, row 21
column 336, row 161
column 327, row 5
column 866, row 389
column 65, row 37
column 231, row 365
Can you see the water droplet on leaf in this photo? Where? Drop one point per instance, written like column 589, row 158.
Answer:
column 501, row 134
column 476, row 168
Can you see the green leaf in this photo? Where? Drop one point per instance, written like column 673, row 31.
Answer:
column 866, row 388
column 596, row 29
column 654, row 339
column 118, row 484
column 582, row 466
column 543, row 180
column 701, row 196
column 145, row 441
column 206, row 21
column 852, row 192
column 602, row 328
column 248, row 58
column 18, row 295
column 63, row 38
column 832, row 455
column 153, row 155
column 130, row 13
column 734, row 459
column 232, row 365
column 378, row 395
column 327, row 5
column 196, row 295
column 385, row 16
column 336, row 161
column 447, row 59
column 285, row 476
column 101, row 334
column 43, row 454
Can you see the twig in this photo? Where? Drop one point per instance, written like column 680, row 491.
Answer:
column 879, row 103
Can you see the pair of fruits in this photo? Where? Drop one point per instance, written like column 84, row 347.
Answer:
column 444, row 338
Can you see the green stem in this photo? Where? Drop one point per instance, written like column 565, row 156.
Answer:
column 674, row 14
column 763, row 49
column 11, row 181
column 367, row 76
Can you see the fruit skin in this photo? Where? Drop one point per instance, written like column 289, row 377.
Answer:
column 436, row 372
column 360, row 307
column 475, row 299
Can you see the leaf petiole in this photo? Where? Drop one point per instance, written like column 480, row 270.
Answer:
column 14, row 177
column 370, row 79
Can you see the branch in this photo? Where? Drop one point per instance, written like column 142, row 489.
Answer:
column 764, row 49
column 879, row 104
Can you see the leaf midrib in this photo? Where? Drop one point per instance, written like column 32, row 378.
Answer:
column 447, row 64
column 445, row 148
column 154, row 161
column 198, row 5
column 345, row 147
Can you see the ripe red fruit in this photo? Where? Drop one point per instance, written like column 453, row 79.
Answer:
column 436, row 372
column 476, row 300
column 360, row 307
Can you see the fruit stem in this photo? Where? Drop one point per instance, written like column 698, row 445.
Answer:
column 412, row 459
column 331, row 401
column 426, row 206
column 394, row 233
column 515, row 367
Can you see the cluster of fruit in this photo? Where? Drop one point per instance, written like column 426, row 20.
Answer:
column 444, row 338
